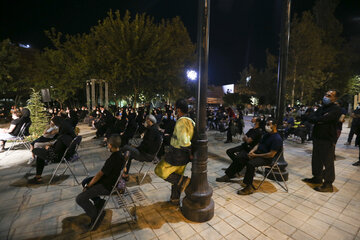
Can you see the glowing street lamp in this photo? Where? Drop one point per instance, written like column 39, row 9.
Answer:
column 192, row 75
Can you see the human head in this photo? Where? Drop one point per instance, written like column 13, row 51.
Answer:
column 181, row 107
column 16, row 114
column 114, row 143
column 57, row 120
column 330, row 96
column 270, row 126
column 256, row 121
column 150, row 120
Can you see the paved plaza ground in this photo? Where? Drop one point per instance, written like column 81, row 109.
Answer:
column 50, row 212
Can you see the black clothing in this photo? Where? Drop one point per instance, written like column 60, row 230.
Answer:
column 325, row 120
column 151, row 141
column 18, row 124
column 323, row 160
column 269, row 142
column 324, row 140
column 111, row 170
column 255, row 134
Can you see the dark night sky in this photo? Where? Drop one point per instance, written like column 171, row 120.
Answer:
column 240, row 32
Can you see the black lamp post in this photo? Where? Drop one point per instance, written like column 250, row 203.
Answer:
column 198, row 205
column 281, row 81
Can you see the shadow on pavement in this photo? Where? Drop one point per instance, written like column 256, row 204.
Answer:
column 23, row 182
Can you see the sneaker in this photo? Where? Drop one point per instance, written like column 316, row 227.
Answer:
column 325, row 187
column 347, row 143
column 184, row 184
column 246, row 190
column 224, row 178
column 356, row 163
column 312, row 180
column 30, row 161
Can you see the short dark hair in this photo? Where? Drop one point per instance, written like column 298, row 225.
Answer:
column 115, row 141
column 182, row 105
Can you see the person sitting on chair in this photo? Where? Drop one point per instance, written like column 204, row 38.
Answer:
column 102, row 183
column 239, row 154
column 12, row 131
column 53, row 153
column 261, row 155
column 149, row 146
column 172, row 168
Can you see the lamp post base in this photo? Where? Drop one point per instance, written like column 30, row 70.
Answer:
column 197, row 213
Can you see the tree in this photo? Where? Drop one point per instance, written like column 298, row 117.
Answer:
column 38, row 117
column 308, row 58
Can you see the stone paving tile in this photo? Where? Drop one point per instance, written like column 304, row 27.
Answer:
column 234, row 221
column 210, row 234
column 223, row 228
column 275, row 234
column 235, row 235
column 336, row 234
column 300, row 235
column 284, row 227
column 248, row 231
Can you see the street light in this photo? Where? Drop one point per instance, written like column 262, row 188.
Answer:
column 191, row 74
column 198, row 206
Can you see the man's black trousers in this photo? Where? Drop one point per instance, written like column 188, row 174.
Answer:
column 322, row 161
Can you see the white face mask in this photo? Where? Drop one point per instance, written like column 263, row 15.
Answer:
column 14, row 116
column 268, row 129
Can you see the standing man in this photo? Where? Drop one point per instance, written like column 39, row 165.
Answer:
column 325, row 120
column 354, row 126
column 172, row 168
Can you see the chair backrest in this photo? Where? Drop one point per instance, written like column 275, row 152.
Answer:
column 74, row 145
column 120, row 175
column 23, row 128
column 277, row 155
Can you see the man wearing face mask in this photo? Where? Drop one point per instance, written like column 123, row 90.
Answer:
column 261, row 155
column 324, row 139
column 149, row 146
column 13, row 131
column 239, row 154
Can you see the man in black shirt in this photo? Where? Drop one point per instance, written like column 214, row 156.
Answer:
column 239, row 154
column 149, row 146
column 102, row 183
column 261, row 155
column 325, row 120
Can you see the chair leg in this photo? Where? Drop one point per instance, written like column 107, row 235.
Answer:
column 86, row 170
column 72, row 173
column 265, row 176
column 54, row 172
column 144, row 175
column 285, row 187
column 138, row 176
column 100, row 212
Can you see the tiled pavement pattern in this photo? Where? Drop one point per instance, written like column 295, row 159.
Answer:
column 50, row 212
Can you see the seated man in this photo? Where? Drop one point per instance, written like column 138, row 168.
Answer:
column 148, row 147
column 12, row 131
column 172, row 168
column 261, row 155
column 53, row 153
column 239, row 154
column 102, row 183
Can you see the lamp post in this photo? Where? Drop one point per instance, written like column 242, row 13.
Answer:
column 198, row 205
column 281, row 81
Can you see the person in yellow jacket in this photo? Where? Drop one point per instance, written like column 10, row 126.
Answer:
column 172, row 167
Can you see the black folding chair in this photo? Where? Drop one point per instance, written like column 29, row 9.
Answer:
column 121, row 199
column 270, row 169
column 70, row 155
column 20, row 138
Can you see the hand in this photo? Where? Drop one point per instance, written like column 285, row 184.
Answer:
column 47, row 147
column 85, row 188
column 251, row 155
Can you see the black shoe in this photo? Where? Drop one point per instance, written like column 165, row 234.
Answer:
column 101, row 218
column 224, row 178
column 249, row 189
column 35, row 180
column 325, row 187
column 356, row 163
column 312, row 180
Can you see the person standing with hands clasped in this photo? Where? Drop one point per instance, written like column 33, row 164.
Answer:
column 325, row 120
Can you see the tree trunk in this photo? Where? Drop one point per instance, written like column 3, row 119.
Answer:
column 135, row 97
column 17, row 99
column 302, row 92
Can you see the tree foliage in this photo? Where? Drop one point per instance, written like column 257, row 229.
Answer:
column 37, row 114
